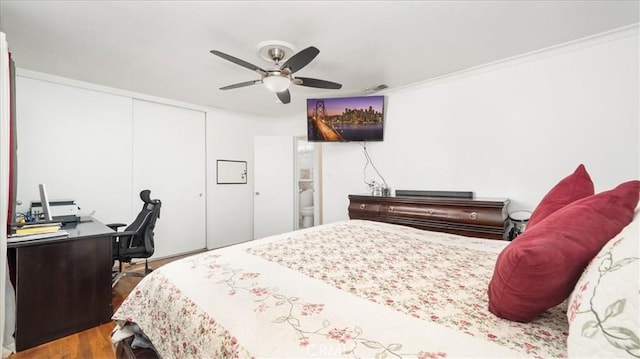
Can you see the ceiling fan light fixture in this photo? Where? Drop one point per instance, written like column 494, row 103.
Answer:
column 276, row 83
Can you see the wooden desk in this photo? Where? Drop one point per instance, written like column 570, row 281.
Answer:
column 63, row 285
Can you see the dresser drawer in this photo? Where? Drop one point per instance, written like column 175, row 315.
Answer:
column 363, row 209
column 460, row 214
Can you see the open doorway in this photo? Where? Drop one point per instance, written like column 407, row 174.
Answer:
column 308, row 166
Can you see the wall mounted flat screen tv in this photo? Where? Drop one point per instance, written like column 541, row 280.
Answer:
column 345, row 119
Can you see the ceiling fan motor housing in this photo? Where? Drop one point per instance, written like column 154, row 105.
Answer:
column 276, row 54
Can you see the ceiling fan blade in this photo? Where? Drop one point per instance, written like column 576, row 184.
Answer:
column 301, row 59
column 241, row 84
column 322, row 84
column 284, row 96
column 237, row 61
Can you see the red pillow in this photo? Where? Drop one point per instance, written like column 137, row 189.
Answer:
column 573, row 187
column 540, row 268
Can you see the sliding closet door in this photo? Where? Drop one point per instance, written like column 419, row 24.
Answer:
column 169, row 160
column 78, row 143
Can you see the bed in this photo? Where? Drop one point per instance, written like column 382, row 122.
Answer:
column 360, row 288
column 366, row 289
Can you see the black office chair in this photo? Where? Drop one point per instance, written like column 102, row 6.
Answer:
column 136, row 241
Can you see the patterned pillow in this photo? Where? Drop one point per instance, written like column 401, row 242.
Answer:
column 604, row 308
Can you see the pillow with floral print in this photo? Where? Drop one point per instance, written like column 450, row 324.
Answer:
column 604, row 308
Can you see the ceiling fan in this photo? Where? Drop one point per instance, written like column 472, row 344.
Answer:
column 280, row 77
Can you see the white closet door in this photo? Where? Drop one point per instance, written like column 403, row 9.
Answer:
column 78, row 143
column 169, row 160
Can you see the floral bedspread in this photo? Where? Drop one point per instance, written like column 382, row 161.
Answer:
column 352, row 289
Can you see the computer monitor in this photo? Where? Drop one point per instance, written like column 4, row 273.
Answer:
column 44, row 200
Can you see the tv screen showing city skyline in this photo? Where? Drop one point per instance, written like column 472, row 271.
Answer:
column 343, row 119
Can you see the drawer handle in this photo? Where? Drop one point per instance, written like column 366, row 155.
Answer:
column 390, row 208
column 473, row 215
column 362, row 206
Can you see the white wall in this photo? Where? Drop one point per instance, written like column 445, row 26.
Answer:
column 291, row 126
column 510, row 130
column 230, row 206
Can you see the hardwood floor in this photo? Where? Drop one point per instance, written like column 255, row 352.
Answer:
column 94, row 342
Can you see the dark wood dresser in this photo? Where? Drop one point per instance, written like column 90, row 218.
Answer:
column 482, row 217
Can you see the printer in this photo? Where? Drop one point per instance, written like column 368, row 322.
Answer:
column 64, row 211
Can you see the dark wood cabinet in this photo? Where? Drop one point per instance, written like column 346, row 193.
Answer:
column 484, row 218
column 63, row 285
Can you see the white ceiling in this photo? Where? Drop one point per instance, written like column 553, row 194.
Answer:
column 161, row 48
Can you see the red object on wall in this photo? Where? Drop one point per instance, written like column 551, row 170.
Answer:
column 12, row 146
